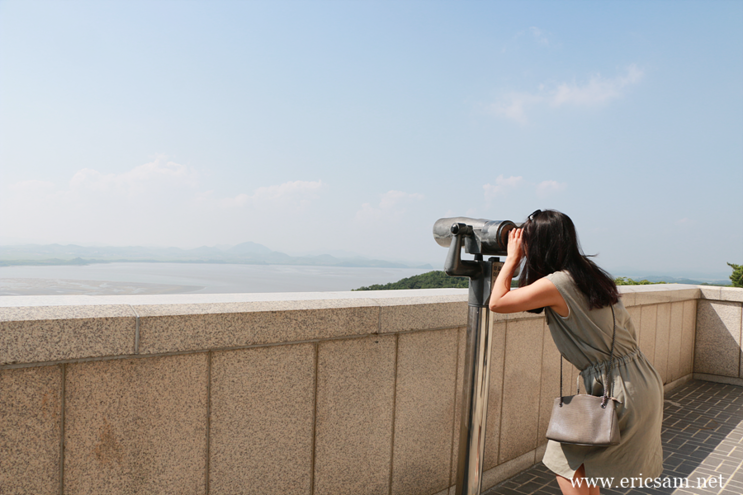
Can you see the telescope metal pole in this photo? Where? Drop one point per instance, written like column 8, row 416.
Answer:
column 476, row 382
column 478, row 237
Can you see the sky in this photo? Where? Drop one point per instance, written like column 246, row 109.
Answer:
column 352, row 126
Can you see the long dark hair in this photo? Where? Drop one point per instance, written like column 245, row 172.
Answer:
column 550, row 245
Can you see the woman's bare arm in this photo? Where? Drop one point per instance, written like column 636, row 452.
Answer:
column 540, row 294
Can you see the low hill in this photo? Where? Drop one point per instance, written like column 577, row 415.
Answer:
column 436, row 279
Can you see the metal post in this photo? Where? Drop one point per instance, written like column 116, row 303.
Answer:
column 476, row 385
column 479, row 237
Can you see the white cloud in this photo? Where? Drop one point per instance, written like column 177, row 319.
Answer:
column 159, row 202
column 391, row 205
column 597, row 91
column 513, row 106
column 297, row 193
column 138, row 180
column 33, row 186
column 539, row 36
column 288, row 189
column 548, row 187
column 502, row 185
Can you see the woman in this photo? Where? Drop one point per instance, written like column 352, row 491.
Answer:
column 577, row 296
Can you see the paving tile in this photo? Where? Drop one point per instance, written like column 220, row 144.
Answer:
column 705, row 442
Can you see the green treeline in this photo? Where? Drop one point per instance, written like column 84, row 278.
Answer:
column 629, row 281
column 439, row 280
column 429, row 280
column 737, row 275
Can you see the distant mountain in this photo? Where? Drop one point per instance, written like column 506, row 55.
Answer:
column 244, row 253
column 676, row 280
column 251, row 248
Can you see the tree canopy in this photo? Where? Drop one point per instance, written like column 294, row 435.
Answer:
column 436, row 279
column 737, row 275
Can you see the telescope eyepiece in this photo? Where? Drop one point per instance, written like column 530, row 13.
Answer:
column 461, row 228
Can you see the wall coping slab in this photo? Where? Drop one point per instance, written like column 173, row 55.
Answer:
column 45, row 329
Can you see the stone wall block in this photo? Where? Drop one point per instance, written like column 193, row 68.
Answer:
column 674, row 341
column 136, row 426
column 687, row 340
column 521, row 382
column 717, row 345
column 646, row 295
column 495, row 396
column 168, row 328
column 403, row 314
column 627, row 297
column 681, row 292
column 648, row 319
column 424, row 412
column 262, row 413
column 461, row 344
column 662, row 334
column 574, row 373
column 732, row 294
column 30, row 430
column 53, row 333
column 550, row 388
column 635, row 314
column 710, row 292
column 353, row 432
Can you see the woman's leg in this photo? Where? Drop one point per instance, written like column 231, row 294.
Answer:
column 577, row 486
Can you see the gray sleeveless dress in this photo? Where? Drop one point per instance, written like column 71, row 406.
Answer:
column 584, row 339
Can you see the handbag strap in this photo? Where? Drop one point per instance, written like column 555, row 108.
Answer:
column 611, row 359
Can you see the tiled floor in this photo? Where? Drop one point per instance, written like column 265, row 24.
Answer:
column 702, row 439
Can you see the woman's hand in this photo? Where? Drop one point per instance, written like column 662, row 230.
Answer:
column 515, row 251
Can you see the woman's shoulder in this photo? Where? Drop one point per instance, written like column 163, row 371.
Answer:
column 565, row 285
column 560, row 279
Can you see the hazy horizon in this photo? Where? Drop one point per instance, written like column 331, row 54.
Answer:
column 437, row 264
column 321, row 127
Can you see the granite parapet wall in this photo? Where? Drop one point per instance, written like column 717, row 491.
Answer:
column 307, row 393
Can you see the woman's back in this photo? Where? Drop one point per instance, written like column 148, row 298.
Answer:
column 584, row 338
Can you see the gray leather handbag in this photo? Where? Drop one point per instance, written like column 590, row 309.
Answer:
column 586, row 419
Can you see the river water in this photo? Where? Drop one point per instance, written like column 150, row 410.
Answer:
column 182, row 278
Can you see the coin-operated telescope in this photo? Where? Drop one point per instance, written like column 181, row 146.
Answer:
column 479, row 237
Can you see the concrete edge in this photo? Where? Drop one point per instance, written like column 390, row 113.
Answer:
column 505, row 471
column 669, row 387
column 729, row 380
